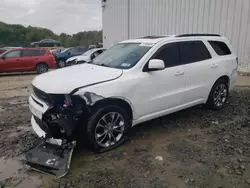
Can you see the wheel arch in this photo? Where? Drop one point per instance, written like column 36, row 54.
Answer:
column 41, row 62
column 121, row 102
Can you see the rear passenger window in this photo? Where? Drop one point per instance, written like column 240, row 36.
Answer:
column 193, row 51
column 220, row 48
column 169, row 54
column 30, row 53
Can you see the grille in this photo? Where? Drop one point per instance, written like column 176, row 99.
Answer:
column 42, row 95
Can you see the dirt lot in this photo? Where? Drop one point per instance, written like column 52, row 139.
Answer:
column 199, row 148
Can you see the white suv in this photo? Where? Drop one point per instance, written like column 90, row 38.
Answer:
column 132, row 82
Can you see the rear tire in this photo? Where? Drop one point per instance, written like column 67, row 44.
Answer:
column 42, row 68
column 108, row 128
column 218, row 95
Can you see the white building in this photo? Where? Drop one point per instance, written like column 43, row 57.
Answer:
column 124, row 19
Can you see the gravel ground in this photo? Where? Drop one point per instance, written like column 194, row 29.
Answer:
column 194, row 148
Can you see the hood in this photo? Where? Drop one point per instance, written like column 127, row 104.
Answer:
column 65, row 80
column 73, row 58
column 83, row 58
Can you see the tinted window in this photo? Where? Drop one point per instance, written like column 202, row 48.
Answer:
column 169, row 54
column 13, row 54
column 220, row 47
column 30, row 53
column 193, row 51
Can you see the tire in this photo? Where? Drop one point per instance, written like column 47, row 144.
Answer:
column 119, row 130
column 61, row 64
column 42, row 68
column 218, row 95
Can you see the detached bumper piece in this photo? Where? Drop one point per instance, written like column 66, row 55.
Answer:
column 51, row 158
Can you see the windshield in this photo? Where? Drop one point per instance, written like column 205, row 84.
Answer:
column 65, row 50
column 123, row 55
column 2, row 51
column 88, row 52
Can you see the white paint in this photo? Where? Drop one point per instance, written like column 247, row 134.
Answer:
column 126, row 19
column 67, row 79
column 150, row 94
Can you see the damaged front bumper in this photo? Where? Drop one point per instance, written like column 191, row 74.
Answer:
column 56, row 124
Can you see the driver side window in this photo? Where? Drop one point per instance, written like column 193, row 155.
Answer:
column 13, row 54
column 169, row 54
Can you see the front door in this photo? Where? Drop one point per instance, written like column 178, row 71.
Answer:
column 13, row 61
column 163, row 90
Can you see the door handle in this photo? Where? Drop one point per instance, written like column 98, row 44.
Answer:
column 215, row 65
column 179, row 73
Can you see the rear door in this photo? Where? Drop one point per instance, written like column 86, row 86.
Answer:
column 12, row 61
column 197, row 60
column 29, row 59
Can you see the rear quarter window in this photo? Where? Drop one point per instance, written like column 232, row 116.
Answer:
column 220, row 48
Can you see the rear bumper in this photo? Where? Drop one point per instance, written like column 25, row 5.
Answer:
column 53, row 65
column 233, row 79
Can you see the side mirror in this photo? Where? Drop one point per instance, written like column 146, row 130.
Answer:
column 69, row 53
column 3, row 58
column 156, row 64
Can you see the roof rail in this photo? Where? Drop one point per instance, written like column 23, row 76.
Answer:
column 153, row 37
column 198, row 35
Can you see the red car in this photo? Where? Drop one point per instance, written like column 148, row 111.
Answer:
column 27, row 59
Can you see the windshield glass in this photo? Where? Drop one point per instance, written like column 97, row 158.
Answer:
column 123, row 55
column 65, row 50
column 88, row 52
column 2, row 51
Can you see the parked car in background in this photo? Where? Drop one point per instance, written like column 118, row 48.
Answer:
column 68, row 53
column 47, row 43
column 4, row 49
column 27, row 59
column 86, row 57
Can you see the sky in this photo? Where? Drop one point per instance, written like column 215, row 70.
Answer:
column 68, row 16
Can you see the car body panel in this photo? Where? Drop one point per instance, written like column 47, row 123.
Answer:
column 87, row 73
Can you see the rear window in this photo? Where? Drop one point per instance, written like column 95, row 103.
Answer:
column 220, row 48
column 30, row 53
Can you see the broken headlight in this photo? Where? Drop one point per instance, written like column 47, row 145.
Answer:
column 67, row 101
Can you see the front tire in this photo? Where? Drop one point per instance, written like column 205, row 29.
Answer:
column 61, row 64
column 218, row 95
column 108, row 128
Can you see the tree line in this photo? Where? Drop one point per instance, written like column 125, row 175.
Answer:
column 18, row 35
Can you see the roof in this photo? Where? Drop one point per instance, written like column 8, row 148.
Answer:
column 155, row 39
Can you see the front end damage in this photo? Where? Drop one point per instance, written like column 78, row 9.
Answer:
column 58, row 119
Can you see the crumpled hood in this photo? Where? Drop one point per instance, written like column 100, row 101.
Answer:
column 65, row 80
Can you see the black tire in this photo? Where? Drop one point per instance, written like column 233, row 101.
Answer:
column 61, row 63
column 212, row 98
column 96, row 118
column 42, row 68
